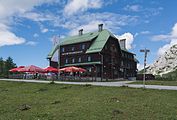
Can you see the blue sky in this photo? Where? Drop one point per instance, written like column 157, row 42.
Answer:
column 27, row 27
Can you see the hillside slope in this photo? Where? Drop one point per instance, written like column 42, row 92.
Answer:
column 165, row 63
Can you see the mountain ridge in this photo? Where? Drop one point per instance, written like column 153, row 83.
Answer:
column 166, row 63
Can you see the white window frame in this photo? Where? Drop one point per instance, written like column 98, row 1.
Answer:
column 89, row 58
column 73, row 60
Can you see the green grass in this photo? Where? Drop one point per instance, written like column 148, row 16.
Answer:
column 74, row 102
column 157, row 82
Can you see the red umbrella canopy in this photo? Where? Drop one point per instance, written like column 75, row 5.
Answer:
column 51, row 69
column 72, row 69
column 82, row 70
column 16, row 69
column 32, row 68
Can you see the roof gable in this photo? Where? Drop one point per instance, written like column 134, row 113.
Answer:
column 100, row 41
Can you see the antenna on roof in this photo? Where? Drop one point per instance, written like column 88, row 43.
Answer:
column 55, row 39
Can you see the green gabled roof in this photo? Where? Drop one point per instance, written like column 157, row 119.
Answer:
column 79, row 38
column 100, row 41
column 74, row 39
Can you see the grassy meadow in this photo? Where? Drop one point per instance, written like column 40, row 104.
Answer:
column 75, row 102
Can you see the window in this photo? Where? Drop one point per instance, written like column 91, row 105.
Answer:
column 83, row 46
column 73, row 60
column 89, row 58
column 66, row 60
column 72, row 48
column 79, row 60
column 63, row 49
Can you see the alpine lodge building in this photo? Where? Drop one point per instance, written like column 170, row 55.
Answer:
column 100, row 53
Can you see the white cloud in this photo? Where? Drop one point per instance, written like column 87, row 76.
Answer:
column 75, row 6
column 86, row 20
column 92, row 26
column 174, row 31
column 134, row 8
column 145, row 32
column 140, row 66
column 9, row 38
column 37, row 16
column 161, row 37
column 31, row 43
column 9, row 9
column 129, row 39
column 44, row 30
column 35, row 35
column 89, row 22
column 171, row 37
column 142, row 33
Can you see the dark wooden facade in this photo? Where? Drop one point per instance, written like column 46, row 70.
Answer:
column 110, row 63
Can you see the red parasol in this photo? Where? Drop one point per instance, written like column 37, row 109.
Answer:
column 82, row 70
column 51, row 69
column 16, row 69
column 72, row 69
column 32, row 69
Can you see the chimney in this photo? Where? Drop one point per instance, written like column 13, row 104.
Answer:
column 81, row 32
column 123, row 43
column 100, row 27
